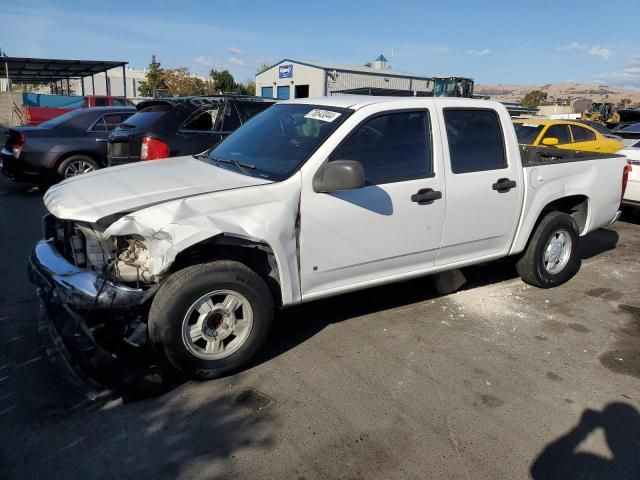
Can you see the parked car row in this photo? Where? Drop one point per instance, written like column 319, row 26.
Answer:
column 86, row 139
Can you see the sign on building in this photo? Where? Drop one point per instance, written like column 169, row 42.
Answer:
column 285, row 71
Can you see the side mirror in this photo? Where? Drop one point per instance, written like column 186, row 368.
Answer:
column 550, row 141
column 339, row 175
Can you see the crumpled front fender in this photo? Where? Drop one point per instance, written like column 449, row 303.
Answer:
column 265, row 214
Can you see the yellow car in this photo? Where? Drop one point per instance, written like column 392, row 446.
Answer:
column 565, row 134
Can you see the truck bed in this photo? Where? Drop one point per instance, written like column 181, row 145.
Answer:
column 536, row 156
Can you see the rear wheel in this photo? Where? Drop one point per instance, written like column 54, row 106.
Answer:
column 208, row 320
column 551, row 257
column 77, row 165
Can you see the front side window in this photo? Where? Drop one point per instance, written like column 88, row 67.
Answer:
column 119, row 102
column 581, row 134
column 475, row 140
column 392, row 147
column 277, row 142
column 561, row 132
column 204, row 120
column 231, row 120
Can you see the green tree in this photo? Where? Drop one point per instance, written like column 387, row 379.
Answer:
column 179, row 82
column 154, row 79
column 247, row 88
column 223, row 82
column 534, row 98
column 262, row 67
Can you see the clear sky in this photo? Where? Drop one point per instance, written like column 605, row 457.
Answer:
column 498, row 42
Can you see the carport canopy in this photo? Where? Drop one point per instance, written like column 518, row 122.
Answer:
column 49, row 70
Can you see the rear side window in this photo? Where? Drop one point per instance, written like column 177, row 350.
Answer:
column 392, row 147
column 249, row 109
column 581, row 134
column 101, row 102
column 204, row 120
column 475, row 140
column 109, row 122
column 561, row 132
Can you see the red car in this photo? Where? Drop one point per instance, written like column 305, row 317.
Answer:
column 40, row 108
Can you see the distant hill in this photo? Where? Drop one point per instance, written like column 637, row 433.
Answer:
column 575, row 91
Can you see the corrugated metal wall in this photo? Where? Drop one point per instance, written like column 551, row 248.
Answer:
column 349, row 80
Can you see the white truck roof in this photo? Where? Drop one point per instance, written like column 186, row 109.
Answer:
column 356, row 102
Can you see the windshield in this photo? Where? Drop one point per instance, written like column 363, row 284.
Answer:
column 274, row 143
column 527, row 132
column 60, row 119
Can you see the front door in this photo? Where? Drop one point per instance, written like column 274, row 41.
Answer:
column 390, row 227
column 484, row 186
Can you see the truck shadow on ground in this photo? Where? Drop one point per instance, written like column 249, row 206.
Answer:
column 562, row 460
column 296, row 325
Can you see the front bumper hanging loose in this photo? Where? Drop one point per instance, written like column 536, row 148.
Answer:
column 68, row 295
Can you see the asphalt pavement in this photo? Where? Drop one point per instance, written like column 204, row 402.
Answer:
column 499, row 380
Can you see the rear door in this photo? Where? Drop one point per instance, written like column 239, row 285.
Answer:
column 585, row 139
column 483, row 182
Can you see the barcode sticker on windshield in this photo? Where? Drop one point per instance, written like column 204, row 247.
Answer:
column 324, row 115
column 532, row 125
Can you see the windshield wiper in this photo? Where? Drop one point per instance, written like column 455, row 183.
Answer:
column 239, row 165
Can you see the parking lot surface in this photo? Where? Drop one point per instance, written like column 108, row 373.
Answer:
column 499, row 380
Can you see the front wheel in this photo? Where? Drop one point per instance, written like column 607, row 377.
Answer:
column 551, row 257
column 209, row 320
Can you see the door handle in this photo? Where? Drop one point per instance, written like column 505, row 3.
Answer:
column 426, row 196
column 504, row 185
column 101, row 140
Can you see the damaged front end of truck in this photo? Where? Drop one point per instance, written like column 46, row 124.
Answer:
column 95, row 290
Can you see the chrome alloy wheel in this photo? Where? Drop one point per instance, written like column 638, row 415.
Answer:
column 557, row 251
column 78, row 167
column 217, row 324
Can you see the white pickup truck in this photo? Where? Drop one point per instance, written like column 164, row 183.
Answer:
column 311, row 198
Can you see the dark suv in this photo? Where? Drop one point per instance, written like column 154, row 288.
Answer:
column 172, row 127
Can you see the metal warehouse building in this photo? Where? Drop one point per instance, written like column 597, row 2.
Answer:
column 294, row 79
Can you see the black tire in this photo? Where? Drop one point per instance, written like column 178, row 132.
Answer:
column 179, row 292
column 531, row 265
column 75, row 159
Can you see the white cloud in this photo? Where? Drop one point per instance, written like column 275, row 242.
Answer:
column 478, row 53
column 594, row 50
column 627, row 77
column 575, row 46
column 209, row 62
column 235, row 51
column 238, row 62
column 600, row 52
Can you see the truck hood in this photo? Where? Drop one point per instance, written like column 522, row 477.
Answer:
column 128, row 188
